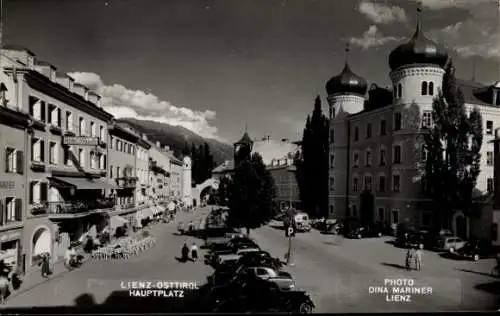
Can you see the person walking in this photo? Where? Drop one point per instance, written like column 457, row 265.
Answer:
column 418, row 259
column 409, row 255
column 45, row 267
column 194, row 252
column 184, row 253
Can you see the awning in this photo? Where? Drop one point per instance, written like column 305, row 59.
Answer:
column 84, row 183
column 117, row 221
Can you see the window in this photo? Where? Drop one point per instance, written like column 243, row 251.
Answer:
column 13, row 209
column 14, row 161
column 395, row 216
column 355, row 184
column 38, row 192
column 69, row 121
column 356, row 160
column 54, row 115
column 102, row 135
column 68, row 155
column 490, row 187
column 368, row 130
column 381, row 212
column 368, row 157
column 423, row 153
column 396, row 183
column 53, row 153
column 37, row 150
column 489, row 127
column 424, row 88
column 82, row 127
column 397, row 154
column 94, row 162
column 397, row 121
column 431, row 88
column 332, row 136
column 498, row 101
column 382, row 158
column 356, row 134
column 332, row 183
column 383, row 128
column 111, row 140
column 37, row 109
column 332, row 161
column 489, row 158
column 102, row 162
column 427, row 119
column 400, row 91
column 381, row 184
column 93, row 129
column 81, row 157
column 118, row 172
column 368, row 183
column 111, row 172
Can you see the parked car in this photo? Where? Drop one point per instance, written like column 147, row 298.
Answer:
column 365, row 231
column 260, row 258
column 449, row 244
column 302, row 222
column 282, row 279
column 476, row 250
column 221, row 258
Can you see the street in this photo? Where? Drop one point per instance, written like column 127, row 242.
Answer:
column 336, row 272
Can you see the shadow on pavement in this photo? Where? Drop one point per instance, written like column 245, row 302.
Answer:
column 492, row 288
column 476, row 272
column 279, row 227
column 449, row 255
column 394, row 265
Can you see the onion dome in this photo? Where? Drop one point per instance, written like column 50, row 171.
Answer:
column 419, row 50
column 346, row 82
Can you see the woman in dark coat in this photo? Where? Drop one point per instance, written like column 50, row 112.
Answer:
column 45, row 266
column 185, row 253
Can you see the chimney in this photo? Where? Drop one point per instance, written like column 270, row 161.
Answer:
column 496, row 169
column 158, row 144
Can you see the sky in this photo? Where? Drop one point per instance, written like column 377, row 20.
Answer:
column 214, row 66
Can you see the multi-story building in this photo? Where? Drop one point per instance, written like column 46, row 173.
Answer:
column 122, row 166
column 159, row 173
column 176, row 172
column 142, row 170
column 187, row 190
column 283, row 172
column 63, row 185
column 376, row 148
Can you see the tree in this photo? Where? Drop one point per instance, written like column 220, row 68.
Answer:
column 312, row 163
column 208, row 162
column 186, row 151
column 222, row 192
column 251, row 194
column 453, row 145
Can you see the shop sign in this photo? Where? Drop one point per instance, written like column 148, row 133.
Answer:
column 80, row 141
column 7, row 185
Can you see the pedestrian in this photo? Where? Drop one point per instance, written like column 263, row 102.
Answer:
column 184, row 253
column 4, row 287
column 194, row 252
column 409, row 255
column 46, row 266
column 418, row 259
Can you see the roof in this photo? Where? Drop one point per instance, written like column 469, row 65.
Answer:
column 80, row 85
column 245, row 139
column 62, row 74
column 225, row 167
column 18, row 48
column 44, row 63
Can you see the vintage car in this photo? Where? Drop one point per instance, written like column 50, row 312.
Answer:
column 283, row 280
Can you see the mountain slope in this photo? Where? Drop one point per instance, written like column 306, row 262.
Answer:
column 177, row 136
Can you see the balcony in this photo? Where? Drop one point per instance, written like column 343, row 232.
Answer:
column 38, row 166
column 126, row 182
column 55, row 129
column 69, row 133
column 78, row 209
column 39, row 208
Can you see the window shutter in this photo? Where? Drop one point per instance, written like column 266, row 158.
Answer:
column 2, row 202
column 32, row 186
column 20, row 162
column 7, row 152
column 104, row 162
column 59, row 117
column 19, row 210
column 42, row 150
column 43, row 192
column 32, row 149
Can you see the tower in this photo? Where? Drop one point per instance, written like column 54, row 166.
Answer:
column 346, row 95
column 186, row 181
column 242, row 149
column 417, row 70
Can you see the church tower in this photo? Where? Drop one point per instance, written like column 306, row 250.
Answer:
column 242, row 149
column 346, row 96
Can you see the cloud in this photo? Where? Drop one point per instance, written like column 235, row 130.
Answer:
column 373, row 38
column 125, row 103
column 382, row 14
column 273, row 149
column 477, row 35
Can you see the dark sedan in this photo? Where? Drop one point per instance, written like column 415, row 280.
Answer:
column 476, row 250
column 365, row 231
